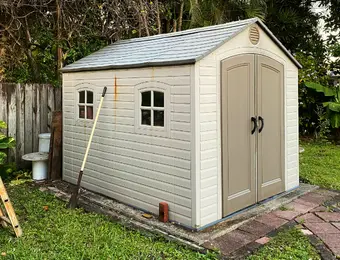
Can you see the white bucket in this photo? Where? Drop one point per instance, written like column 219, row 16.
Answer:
column 39, row 170
column 44, row 142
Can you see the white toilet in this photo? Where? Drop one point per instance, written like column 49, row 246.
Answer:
column 40, row 159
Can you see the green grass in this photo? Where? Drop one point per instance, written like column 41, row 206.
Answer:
column 60, row 233
column 288, row 244
column 320, row 165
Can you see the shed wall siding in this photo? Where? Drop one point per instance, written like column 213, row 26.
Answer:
column 210, row 124
column 137, row 169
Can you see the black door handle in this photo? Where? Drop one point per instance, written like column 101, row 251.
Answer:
column 254, row 120
column 262, row 124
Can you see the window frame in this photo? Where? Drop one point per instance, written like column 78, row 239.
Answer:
column 84, row 121
column 152, row 108
column 152, row 129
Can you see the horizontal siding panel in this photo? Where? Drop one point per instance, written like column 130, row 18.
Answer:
column 292, row 130
column 180, row 99
column 208, row 173
column 208, row 117
column 207, row 99
column 182, row 185
column 110, row 97
column 206, row 63
column 153, row 188
column 209, row 135
column 180, row 126
column 117, row 112
column 180, row 108
column 207, row 71
column 180, row 117
column 292, row 137
column 292, row 109
column 104, row 188
column 206, row 202
column 207, row 145
column 208, row 182
column 292, row 157
column 142, row 147
column 292, row 165
column 208, row 89
column 208, row 80
column 208, row 108
column 209, row 163
column 208, row 154
column 122, row 133
column 166, row 169
column 292, row 102
column 210, row 218
column 292, row 116
column 172, row 81
column 102, row 145
column 208, row 192
column 207, row 210
column 183, row 136
column 208, row 126
column 180, row 90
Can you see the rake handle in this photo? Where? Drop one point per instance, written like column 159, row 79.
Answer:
column 74, row 197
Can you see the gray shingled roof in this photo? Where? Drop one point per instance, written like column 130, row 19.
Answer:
column 185, row 47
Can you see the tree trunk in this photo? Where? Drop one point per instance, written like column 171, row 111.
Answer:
column 144, row 17
column 180, row 18
column 30, row 58
column 174, row 25
column 159, row 24
column 59, row 49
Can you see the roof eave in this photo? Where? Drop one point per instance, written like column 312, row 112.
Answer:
column 130, row 66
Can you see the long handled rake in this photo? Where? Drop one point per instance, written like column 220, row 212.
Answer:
column 74, row 197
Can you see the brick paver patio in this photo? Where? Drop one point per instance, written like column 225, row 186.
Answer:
column 308, row 211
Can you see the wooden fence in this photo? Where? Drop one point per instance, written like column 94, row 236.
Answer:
column 27, row 110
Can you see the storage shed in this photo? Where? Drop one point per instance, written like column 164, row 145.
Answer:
column 204, row 119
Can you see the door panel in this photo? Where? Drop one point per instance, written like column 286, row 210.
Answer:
column 238, row 145
column 270, row 176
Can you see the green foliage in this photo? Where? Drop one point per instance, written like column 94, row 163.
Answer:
column 5, row 143
column 51, row 231
column 332, row 106
column 323, row 125
column 287, row 245
column 319, row 164
column 314, row 70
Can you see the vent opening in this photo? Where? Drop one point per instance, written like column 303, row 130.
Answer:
column 254, row 35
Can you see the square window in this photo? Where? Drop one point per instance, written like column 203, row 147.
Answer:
column 85, row 104
column 146, row 99
column 81, row 111
column 158, row 99
column 146, row 117
column 89, row 97
column 89, row 112
column 158, row 117
column 82, row 97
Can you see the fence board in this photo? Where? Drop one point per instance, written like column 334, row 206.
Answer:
column 50, row 106
column 27, row 109
column 3, row 107
column 11, row 120
column 43, row 109
column 20, row 149
column 28, row 118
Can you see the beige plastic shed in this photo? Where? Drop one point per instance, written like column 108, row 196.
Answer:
column 204, row 119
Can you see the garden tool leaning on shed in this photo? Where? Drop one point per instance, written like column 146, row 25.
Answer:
column 74, row 197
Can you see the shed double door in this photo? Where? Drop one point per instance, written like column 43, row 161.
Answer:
column 252, row 130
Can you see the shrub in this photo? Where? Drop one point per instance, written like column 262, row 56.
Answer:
column 5, row 143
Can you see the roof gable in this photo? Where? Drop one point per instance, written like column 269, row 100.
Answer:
column 185, row 47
